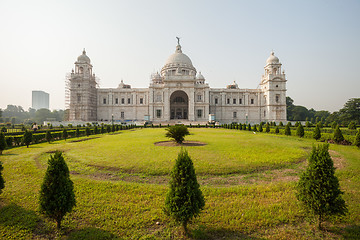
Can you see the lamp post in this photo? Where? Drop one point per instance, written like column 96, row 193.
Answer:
column 246, row 115
column 112, row 119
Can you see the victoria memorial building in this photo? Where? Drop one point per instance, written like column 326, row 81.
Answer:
column 177, row 94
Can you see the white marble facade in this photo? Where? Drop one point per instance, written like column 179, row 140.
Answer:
column 177, row 93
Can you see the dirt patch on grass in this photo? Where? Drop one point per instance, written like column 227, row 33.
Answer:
column 339, row 161
column 83, row 139
column 105, row 173
column 175, row 144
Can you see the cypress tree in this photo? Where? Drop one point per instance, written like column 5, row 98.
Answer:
column 249, row 127
column 244, row 127
column 318, row 188
column 3, row 144
column 48, row 136
column 317, row 133
column 102, row 129
column 300, row 131
column 184, row 199
column 87, row 131
column 65, row 134
column 357, row 139
column 277, row 130
column 77, row 132
column 255, row 128
column 287, row 130
column 2, row 181
column 57, row 191
column 352, row 125
column 338, row 137
column 108, row 129
column 27, row 138
column 281, row 124
column 267, row 129
column 260, row 128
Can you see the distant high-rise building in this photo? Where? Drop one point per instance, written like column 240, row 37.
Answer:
column 40, row 99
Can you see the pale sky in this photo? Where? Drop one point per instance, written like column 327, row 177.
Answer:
column 318, row 43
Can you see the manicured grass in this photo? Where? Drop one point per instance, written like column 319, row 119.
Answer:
column 121, row 181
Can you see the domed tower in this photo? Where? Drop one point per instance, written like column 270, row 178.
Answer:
column 273, row 85
column 83, row 91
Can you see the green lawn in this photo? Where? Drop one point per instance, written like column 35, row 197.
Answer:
column 121, row 181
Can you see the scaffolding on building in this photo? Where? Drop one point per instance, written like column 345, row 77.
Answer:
column 81, row 97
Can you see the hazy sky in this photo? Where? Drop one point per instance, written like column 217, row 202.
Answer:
column 318, row 43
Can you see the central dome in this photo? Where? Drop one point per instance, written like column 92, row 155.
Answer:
column 178, row 64
column 179, row 58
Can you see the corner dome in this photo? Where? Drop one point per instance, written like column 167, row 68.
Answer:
column 83, row 58
column 200, row 76
column 272, row 59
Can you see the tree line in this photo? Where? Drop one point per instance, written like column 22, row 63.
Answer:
column 17, row 115
column 349, row 113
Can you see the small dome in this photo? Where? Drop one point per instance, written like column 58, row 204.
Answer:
column 200, row 76
column 83, row 58
column 272, row 59
column 179, row 58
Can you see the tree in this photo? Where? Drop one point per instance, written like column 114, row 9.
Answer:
column 42, row 114
column 352, row 125
column 3, row 144
column 177, row 132
column 287, row 130
column 351, row 111
column 108, row 129
column 260, row 128
column 77, row 132
column 255, row 128
column 57, row 191
column 2, row 181
column 338, row 137
column 277, row 130
column 318, row 188
column 317, row 133
column 300, row 131
column 48, row 136
column 357, row 139
column 65, row 134
column 184, row 199
column 249, row 127
column 27, row 138
column 87, row 131
column 334, row 125
column 267, row 129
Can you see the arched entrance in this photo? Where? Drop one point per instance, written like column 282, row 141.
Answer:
column 179, row 105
